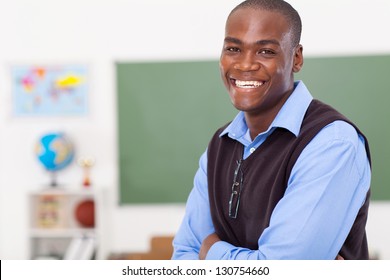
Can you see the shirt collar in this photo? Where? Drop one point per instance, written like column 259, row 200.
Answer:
column 289, row 117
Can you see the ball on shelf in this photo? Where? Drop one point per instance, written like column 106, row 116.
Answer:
column 85, row 213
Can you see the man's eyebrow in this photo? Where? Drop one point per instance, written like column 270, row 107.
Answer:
column 233, row 40
column 268, row 42
column 259, row 42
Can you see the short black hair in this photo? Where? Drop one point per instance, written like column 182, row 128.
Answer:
column 279, row 6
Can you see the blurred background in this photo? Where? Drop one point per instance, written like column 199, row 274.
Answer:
column 52, row 36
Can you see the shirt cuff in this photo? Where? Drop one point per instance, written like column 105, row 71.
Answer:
column 218, row 250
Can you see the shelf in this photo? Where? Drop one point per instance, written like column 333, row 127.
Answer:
column 53, row 233
column 61, row 222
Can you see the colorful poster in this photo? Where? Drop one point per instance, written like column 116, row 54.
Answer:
column 49, row 90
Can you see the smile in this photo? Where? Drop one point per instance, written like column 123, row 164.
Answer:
column 247, row 84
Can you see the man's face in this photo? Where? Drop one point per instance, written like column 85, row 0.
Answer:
column 258, row 60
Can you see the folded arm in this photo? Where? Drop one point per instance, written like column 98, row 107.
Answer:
column 315, row 215
column 197, row 223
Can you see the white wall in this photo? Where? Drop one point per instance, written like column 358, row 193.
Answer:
column 100, row 32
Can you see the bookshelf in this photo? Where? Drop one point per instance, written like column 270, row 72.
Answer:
column 65, row 224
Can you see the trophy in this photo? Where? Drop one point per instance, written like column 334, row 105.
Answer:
column 86, row 163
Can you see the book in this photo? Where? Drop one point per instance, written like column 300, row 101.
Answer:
column 81, row 248
column 50, row 211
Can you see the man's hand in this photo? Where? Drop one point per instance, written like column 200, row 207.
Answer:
column 206, row 245
column 212, row 238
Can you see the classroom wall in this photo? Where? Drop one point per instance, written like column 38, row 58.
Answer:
column 100, row 32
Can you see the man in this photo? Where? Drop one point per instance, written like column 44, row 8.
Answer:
column 289, row 177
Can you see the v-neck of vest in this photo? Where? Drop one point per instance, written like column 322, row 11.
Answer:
column 246, row 163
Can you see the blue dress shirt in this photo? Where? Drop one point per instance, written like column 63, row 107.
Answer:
column 327, row 186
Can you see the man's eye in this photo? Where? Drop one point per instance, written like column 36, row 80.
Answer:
column 267, row 52
column 232, row 49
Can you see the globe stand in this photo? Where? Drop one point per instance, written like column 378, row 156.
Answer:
column 53, row 181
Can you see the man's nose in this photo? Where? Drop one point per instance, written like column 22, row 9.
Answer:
column 247, row 62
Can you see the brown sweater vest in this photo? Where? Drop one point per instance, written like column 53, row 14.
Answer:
column 265, row 174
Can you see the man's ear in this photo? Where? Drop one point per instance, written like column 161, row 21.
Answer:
column 298, row 59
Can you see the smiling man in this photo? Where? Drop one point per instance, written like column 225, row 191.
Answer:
column 289, row 177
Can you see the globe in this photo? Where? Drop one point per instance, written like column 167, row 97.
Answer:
column 55, row 152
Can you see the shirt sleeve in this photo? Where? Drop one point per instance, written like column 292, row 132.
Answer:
column 197, row 223
column 327, row 187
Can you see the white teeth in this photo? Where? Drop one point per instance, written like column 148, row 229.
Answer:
column 248, row 84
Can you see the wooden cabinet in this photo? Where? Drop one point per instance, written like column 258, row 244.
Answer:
column 64, row 224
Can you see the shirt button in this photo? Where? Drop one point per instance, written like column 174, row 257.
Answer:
column 252, row 150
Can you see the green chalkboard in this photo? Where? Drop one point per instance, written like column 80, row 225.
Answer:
column 167, row 112
column 359, row 88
